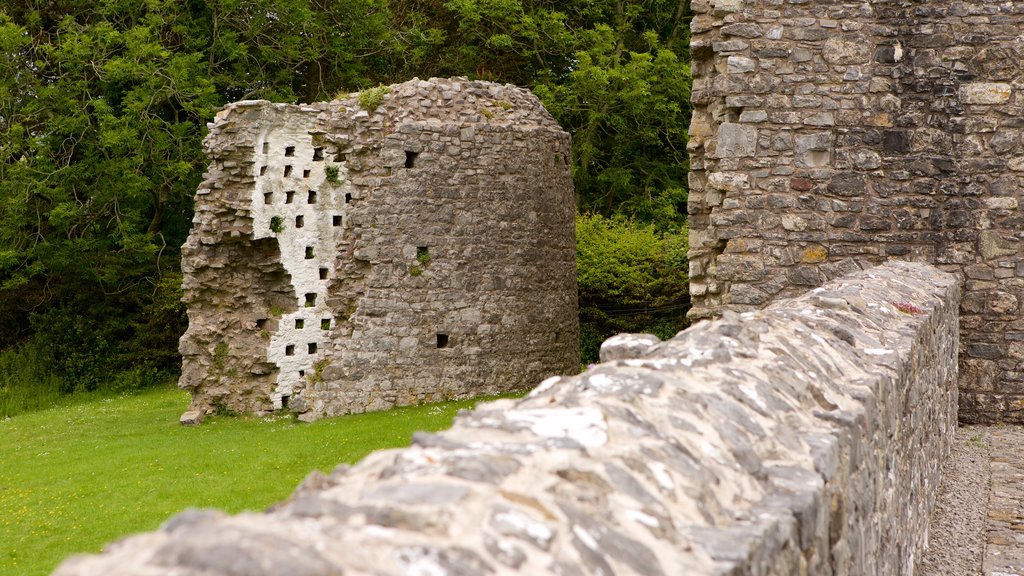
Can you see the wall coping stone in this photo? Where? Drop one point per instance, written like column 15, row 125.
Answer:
column 804, row 438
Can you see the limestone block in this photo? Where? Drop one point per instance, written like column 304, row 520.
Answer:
column 736, row 141
column 844, row 52
column 985, row 93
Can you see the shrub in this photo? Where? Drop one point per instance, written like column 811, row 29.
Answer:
column 371, row 98
column 631, row 278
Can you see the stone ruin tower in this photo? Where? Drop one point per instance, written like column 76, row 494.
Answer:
column 344, row 259
column 828, row 136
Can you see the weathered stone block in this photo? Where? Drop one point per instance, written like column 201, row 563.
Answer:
column 736, row 141
column 985, row 93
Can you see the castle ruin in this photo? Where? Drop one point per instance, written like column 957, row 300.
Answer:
column 830, row 136
column 355, row 255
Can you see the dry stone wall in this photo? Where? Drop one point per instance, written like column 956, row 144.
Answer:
column 345, row 259
column 829, row 135
column 803, row 439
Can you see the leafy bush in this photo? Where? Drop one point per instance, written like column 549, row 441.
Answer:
column 371, row 98
column 631, row 278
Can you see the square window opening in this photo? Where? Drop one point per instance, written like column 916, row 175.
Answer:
column 340, row 156
column 410, row 158
column 305, row 173
column 311, row 347
column 285, row 398
column 311, row 197
column 289, row 350
column 310, row 299
column 287, row 171
column 289, row 150
column 289, row 196
column 348, row 197
column 325, row 324
column 300, row 221
column 323, row 273
column 266, row 147
column 442, row 340
column 268, row 197
column 336, row 220
column 263, row 170
column 261, row 323
column 299, row 323
column 309, row 252
column 318, row 154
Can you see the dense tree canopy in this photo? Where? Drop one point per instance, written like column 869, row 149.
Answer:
column 103, row 106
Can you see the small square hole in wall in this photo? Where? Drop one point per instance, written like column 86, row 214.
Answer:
column 311, row 197
column 348, row 197
column 289, row 196
column 300, row 221
column 268, row 197
column 410, row 158
column 285, row 398
column 318, row 154
column 287, row 171
column 325, row 324
column 266, row 147
column 302, row 373
column 310, row 299
column 422, row 253
column 305, row 173
column 289, row 150
column 335, row 220
column 261, row 323
column 299, row 323
column 311, row 347
column 340, row 156
column 442, row 340
column 289, row 350
column 323, row 273
column 309, row 252
column 263, row 170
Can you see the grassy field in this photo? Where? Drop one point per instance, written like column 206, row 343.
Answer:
column 73, row 478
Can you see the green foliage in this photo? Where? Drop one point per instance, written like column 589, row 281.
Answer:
column 276, row 224
column 103, row 107
column 371, row 98
column 631, row 277
column 423, row 256
column 614, row 73
column 120, row 465
column 331, row 175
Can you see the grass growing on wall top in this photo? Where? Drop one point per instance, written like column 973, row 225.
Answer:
column 76, row 477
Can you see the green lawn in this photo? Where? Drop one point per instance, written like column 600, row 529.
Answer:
column 73, row 478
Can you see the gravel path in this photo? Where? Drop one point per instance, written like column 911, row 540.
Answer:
column 958, row 526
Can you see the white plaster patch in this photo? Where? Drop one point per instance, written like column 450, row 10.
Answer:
column 584, row 425
column 297, row 202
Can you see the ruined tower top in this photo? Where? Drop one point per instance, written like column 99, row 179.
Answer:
column 410, row 243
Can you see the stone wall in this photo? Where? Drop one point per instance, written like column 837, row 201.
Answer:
column 831, row 135
column 803, row 439
column 344, row 259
